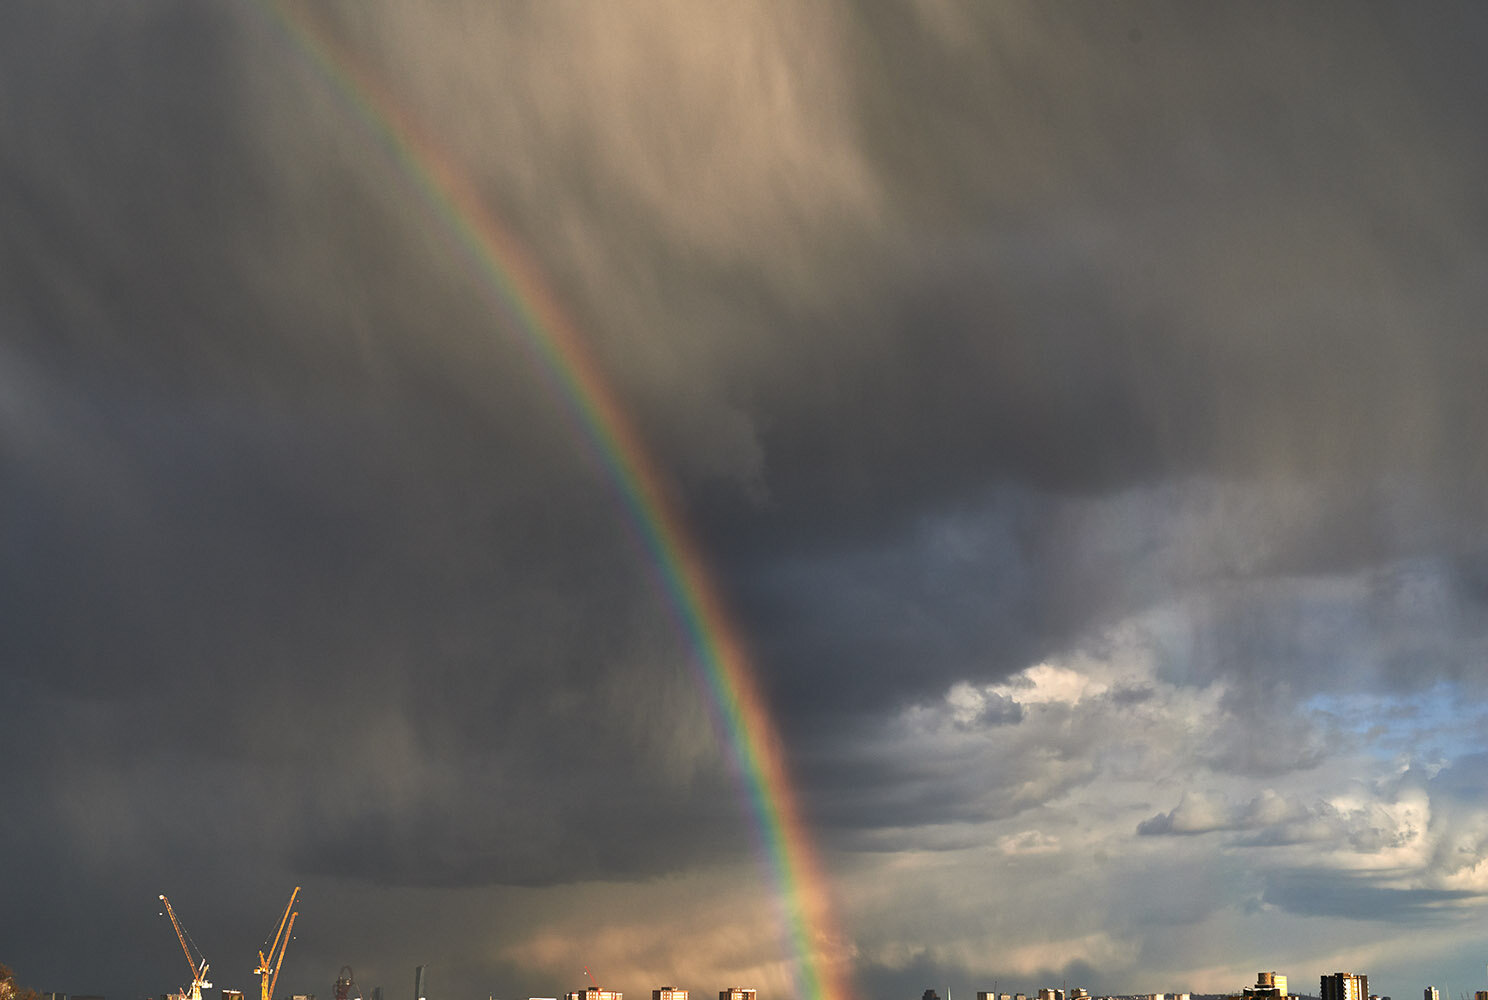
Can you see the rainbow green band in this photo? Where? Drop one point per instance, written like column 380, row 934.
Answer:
column 518, row 290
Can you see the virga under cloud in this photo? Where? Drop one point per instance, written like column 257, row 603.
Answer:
column 1081, row 406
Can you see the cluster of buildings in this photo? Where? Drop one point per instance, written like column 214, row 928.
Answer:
column 1268, row 986
column 1078, row 993
column 660, row 993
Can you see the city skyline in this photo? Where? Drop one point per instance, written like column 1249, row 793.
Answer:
column 1267, row 984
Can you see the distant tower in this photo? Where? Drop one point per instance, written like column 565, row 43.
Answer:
column 668, row 993
column 737, row 993
column 1432, row 993
column 418, row 984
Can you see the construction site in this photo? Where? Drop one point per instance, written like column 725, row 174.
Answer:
column 269, row 962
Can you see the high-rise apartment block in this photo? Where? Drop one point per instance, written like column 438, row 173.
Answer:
column 1344, row 986
column 1432, row 993
column 668, row 993
column 737, row 993
column 595, row 993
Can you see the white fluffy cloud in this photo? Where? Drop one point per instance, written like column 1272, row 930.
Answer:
column 1049, row 779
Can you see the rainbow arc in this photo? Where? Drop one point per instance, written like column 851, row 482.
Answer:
column 519, row 292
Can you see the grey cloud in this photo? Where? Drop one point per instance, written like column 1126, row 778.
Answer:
column 1464, row 779
column 1198, row 813
column 1359, row 898
column 998, row 710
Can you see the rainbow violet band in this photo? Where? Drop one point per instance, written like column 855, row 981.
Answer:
column 518, row 291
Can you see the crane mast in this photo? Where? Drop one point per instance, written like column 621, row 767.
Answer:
column 268, row 965
column 198, row 969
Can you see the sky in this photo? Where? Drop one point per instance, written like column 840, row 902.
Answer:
column 1078, row 410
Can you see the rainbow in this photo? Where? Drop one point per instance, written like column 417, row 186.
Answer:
column 518, row 290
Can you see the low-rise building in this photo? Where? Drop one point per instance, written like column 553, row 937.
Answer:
column 594, row 993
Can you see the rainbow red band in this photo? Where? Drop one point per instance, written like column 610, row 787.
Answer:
column 518, row 290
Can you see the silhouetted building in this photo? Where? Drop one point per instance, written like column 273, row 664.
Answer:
column 420, row 990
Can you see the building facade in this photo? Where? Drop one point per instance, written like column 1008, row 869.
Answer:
column 1268, row 986
column 1344, row 986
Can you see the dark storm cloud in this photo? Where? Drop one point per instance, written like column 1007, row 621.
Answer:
column 1150, row 262
column 1126, row 291
column 271, row 470
column 1335, row 895
column 962, row 333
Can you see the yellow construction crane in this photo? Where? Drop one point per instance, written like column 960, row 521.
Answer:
column 268, row 966
column 198, row 968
